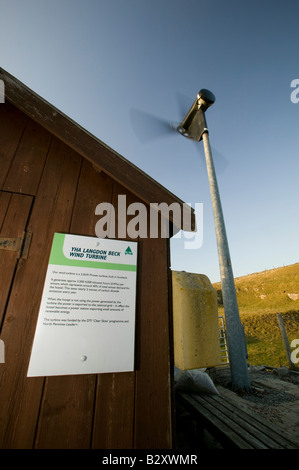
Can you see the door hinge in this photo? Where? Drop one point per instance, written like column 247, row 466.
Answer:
column 20, row 244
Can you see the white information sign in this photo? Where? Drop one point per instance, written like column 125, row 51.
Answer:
column 86, row 322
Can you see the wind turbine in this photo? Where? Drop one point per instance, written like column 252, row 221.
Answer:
column 194, row 127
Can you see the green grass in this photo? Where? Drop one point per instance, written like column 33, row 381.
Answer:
column 260, row 297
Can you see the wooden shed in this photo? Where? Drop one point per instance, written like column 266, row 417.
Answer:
column 53, row 175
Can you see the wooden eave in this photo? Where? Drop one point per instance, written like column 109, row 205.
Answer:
column 90, row 147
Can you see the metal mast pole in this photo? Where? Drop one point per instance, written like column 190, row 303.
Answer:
column 194, row 127
column 235, row 332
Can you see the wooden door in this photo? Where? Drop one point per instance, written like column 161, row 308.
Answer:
column 14, row 215
column 48, row 211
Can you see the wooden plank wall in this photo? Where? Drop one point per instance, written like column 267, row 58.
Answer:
column 46, row 187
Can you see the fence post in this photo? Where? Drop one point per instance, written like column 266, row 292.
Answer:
column 285, row 340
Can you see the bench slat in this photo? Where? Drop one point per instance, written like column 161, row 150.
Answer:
column 287, row 440
column 225, row 434
column 232, row 421
column 248, row 424
column 234, row 424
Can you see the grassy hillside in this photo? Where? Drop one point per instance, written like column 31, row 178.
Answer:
column 260, row 297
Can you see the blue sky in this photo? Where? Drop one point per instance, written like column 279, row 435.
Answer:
column 98, row 61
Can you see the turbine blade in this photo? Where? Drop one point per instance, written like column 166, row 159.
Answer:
column 148, row 127
column 184, row 103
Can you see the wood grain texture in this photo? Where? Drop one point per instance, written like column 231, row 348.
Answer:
column 65, row 420
column 153, row 414
column 12, row 225
column 153, row 353
column 28, row 163
column 66, row 417
column 21, row 396
column 114, row 412
column 115, row 399
column 12, row 125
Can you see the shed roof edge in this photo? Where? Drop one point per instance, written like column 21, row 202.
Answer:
column 93, row 149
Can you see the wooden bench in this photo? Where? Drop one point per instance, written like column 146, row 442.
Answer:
column 233, row 425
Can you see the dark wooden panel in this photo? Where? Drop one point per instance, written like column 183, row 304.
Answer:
column 21, row 396
column 114, row 406
column 27, row 166
column 152, row 396
column 130, row 198
column 114, row 411
column 153, row 414
column 5, row 199
column 16, row 208
column 12, row 125
column 94, row 187
column 66, row 413
column 61, row 406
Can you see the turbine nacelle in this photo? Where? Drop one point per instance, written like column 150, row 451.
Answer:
column 194, row 123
